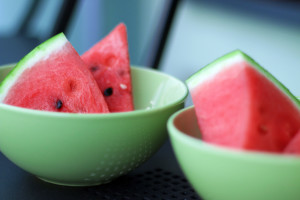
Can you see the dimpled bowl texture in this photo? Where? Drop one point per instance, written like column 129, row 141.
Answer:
column 219, row 173
column 91, row 149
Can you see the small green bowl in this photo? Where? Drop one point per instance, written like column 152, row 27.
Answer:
column 219, row 173
column 92, row 149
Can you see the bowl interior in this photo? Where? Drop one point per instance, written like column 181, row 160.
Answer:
column 186, row 122
column 151, row 89
column 157, row 89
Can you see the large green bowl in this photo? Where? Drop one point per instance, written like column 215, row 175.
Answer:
column 91, row 149
column 219, row 173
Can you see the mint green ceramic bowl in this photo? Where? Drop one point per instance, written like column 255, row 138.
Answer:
column 219, row 173
column 91, row 149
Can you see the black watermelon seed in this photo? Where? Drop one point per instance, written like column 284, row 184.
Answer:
column 58, row 104
column 94, row 68
column 108, row 91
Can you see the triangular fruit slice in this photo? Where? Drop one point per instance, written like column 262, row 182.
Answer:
column 239, row 104
column 108, row 60
column 293, row 146
column 53, row 77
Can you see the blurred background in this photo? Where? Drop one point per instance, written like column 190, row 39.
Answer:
column 199, row 31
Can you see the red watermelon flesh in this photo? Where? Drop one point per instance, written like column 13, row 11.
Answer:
column 240, row 107
column 108, row 60
column 57, row 82
column 293, row 146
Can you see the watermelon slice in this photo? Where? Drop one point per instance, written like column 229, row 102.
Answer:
column 108, row 60
column 53, row 77
column 240, row 105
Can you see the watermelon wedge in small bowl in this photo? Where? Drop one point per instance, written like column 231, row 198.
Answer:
column 90, row 146
column 240, row 139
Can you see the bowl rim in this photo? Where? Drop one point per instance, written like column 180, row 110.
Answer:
column 138, row 112
column 197, row 143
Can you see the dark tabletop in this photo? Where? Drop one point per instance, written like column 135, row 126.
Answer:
column 158, row 178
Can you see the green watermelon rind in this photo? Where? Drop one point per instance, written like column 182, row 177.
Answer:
column 38, row 53
column 211, row 69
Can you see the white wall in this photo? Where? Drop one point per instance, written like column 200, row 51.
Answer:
column 203, row 33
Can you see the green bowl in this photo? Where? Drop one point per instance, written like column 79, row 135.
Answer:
column 219, row 173
column 91, row 149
